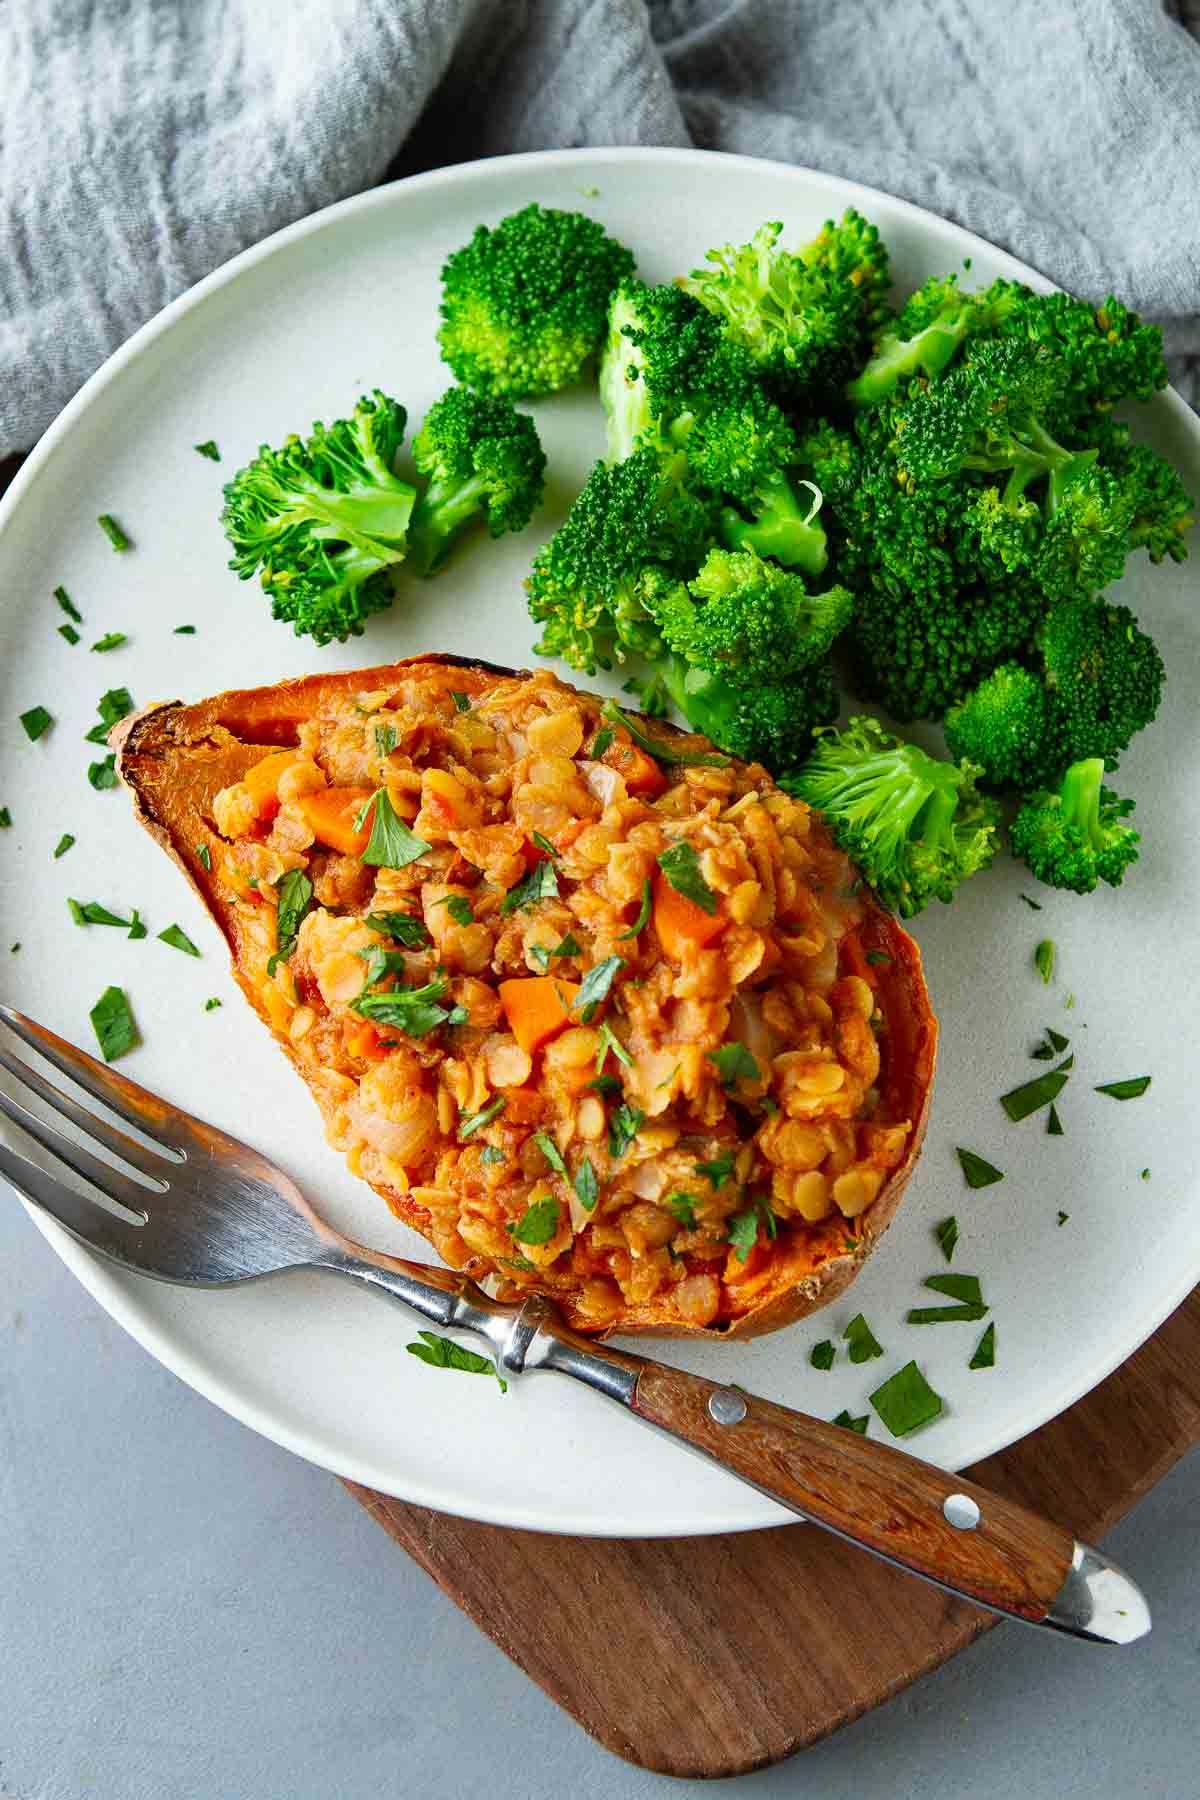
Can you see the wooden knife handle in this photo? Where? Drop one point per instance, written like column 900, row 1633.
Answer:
column 880, row 1497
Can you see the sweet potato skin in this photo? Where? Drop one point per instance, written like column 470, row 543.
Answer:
column 175, row 758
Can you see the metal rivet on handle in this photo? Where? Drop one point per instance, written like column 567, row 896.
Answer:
column 960, row 1511
column 727, row 1406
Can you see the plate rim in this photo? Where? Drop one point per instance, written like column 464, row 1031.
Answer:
column 84, row 1264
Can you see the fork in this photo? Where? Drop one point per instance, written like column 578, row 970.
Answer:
column 207, row 1211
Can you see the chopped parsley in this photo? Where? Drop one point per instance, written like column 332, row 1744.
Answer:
column 113, row 706
column 743, row 1232
column 1132, row 1089
column 1034, row 905
column 879, row 959
column 719, row 1170
column 979, row 1173
column 550, row 1151
column 137, row 928
column 1145, row 1175
column 1031, row 1096
column 1054, row 1127
column 586, row 1186
column 862, row 1344
column 602, row 742
column 642, row 919
column 442, row 1353
column 659, row 749
column 683, row 1208
column 113, row 532
column 606, row 1085
column 459, row 908
column 543, row 843
column 386, row 739
column 958, row 1287
column 462, row 702
column 179, row 939
column 821, row 1355
column 624, row 1123
column 69, row 632
column 610, row 1041
column 6, row 819
column 539, row 1222
column 985, row 1350
column 681, row 866
column 208, row 448
column 211, row 1005
column 947, row 1236
column 1062, row 1218
column 404, row 928
column 391, row 844
column 68, row 605
column 204, row 856
column 1043, row 960
column 37, row 721
column 565, row 947
column 491, row 1155
column 734, row 1063
column 113, row 1024
column 103, row 774
column 476, row 1121
column 541, row 883
column 414, row 1011
column 185, row 631
column 112, row 640
column 63, row 845
column 295, row 893
column 906, row 1401
column 595, row 985
column 90, row 912
column 859, row 1424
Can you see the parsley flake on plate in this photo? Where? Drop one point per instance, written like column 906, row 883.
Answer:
column 1031, row 1096
column 63, row 845
column 979, row 1172
column 37, row 722
column 113, row 532
column 68, row 605
column 113, row 1024
column 442, row 1353
column 103, row 774
column 946, row 1234
column 112, row 640
column 209, row 449
column 985, row 1350
column 861, row 1342
column 1132, row 1089
column 851, row 1424
column 906, row 1401
column 1043, row 960
column 178, row 939
column 69, row 633
column 821, row 1355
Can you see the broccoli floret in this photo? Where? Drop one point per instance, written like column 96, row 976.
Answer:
column 1103, row 675
column 524, row 304
column 750, row 618
column 916, row 826
column 1003, row 727
column 1101, row 354
column 928, row 333
column 633, row 529
column 760, row 721
column 804, row 316
column 483, row 460
column 323, row 520
column 623, row 393
column 1161, row 509
column 1074, row 838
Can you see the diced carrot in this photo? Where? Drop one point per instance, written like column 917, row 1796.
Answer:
column 330, row 814
column 363, row 1040
column 262, row 778
column 642, row 774
column 537, row 1008
column 679, row 922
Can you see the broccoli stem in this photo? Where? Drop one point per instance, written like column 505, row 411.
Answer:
column 780, row 529
column 928, row 353
column 1080, row 793
column 442, row 512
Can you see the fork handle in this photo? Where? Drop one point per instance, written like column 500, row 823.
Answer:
column 948, row 1530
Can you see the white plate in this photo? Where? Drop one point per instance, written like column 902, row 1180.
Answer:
column 291, row 331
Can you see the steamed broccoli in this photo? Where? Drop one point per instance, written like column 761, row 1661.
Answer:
column 916, row 826
column 483, row 460
column 524, row 303
column 1096, row 681
column 804, row 316
column 324, row 520
column 746, row 617
column 927, row 334
column 1075, row 837
column 760, row 721
column 634, row 529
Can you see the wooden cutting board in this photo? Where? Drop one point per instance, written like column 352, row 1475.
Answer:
column 713, row 1656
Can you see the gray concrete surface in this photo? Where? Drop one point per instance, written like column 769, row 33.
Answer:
column 188, row 1613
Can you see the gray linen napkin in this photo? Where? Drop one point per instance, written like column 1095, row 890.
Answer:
column 144, row 142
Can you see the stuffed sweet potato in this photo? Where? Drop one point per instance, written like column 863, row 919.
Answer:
column 595, row 1010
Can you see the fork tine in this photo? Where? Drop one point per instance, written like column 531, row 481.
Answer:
column 110, row 1181
column 150, row 1162
column 136, row 1105
column 83, row 1218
